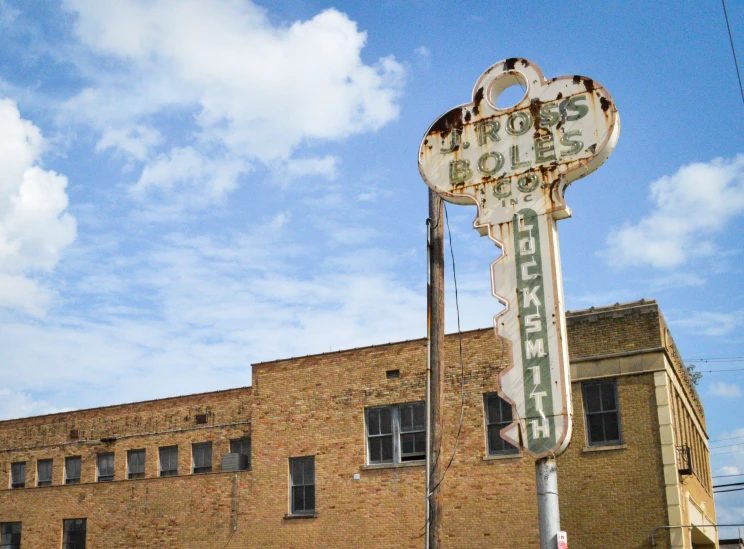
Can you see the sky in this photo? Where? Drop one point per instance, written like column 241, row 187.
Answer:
column 191, row 186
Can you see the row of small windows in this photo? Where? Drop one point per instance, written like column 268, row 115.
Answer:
column 73, row 534
column 201, row 458
column 395, row 434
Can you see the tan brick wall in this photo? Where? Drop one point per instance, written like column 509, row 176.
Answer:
column 315, row 406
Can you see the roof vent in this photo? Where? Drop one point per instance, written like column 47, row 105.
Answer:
column 201, row 419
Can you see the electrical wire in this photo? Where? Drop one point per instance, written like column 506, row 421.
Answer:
column 732, row 490
column 733, row 50
column 462, row 363
column 727, row 438
column 727, row 485
column 718, row 359
column 727, row 452
column 727, row 445
column 727, row 476
column 719, row 371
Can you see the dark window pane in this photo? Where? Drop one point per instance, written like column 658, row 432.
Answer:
column 309, row 468
column 105, row 467
column 612, row 433
column 386, row 421
column 374, row 422
column 608, row 397
column 419, row 416
column 387, row 448
column 420, row 443
column 406, row 418
column 74, row 534
column 596, row 430
column 406, row 444
column 375, row 450
column 506, row 411
column 202, row 457
column 44, row 472
column 72, row 470
column 310, row 498
column 169, row 461
column 18, row 475
column 298, row 499
column 136, row 463
column 493, row 409
column 297, row 474
column 591, row 396
column 495, row 442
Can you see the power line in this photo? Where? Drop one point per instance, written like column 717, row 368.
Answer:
column 727, row 476
column 728, row 445
column 718, row 359
column 732, row 490
column 726, row 485
column 718, row 371
column 727, row 438
column 733, row 50
column 727, row 452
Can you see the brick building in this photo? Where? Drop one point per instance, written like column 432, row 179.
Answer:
column 326, row 451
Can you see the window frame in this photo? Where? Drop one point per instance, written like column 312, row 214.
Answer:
column 17, row 481
column 74, row 543
column 8, row 540
column 509, row 449
column 304, row 486
column 107, row 477
column 167, row 472
column 68, row 478
column 137, row 474
column 196, row 448
column 396, row 432
column 44, row 463
column 601, row 412
column 242, row 441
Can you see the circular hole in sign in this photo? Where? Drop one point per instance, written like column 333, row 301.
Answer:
column 507, row 91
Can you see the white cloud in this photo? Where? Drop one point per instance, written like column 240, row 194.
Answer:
column 255, row 91
column 724, row 390
column 34, row 227
column 183, row 168
column 711, row 323
column 691, row 206
column 423, row 52
column 136, row 141
column 727, row 470
column 18, row 404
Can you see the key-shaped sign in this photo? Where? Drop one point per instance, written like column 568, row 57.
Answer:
column 515, row 164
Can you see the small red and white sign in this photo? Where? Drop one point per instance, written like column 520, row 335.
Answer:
column 562, row 540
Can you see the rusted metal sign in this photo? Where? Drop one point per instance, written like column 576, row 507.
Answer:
column 515, row 164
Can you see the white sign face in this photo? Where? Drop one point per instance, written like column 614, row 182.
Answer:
column 515, row 164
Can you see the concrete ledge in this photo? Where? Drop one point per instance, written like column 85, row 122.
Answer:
column 290, row 517
column 375, row 466
column 604, row 448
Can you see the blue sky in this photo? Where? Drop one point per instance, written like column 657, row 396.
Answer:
column 187, row 187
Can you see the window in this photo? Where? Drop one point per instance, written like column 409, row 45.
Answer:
column 105, row 467
column 44, row 472
column 396, row 433
column 74, row 534
column 602, row 414
column 202, row 457
column 72, row 470
column 242, row 446
column 498, row 416
column 136, row 464
column 169, row 461
column 302, row 480
column 10, row 535
column 18, row 475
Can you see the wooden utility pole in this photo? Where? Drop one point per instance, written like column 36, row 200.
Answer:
column 434, row 369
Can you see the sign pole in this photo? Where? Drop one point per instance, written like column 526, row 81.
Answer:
column 434, row 369
column 549, row 518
